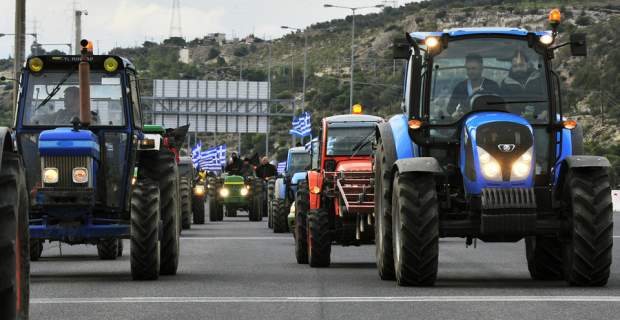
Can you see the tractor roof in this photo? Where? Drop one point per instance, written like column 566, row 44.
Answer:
column 460, row 32
column 345, row 118
column 298, row 150
column 59, row 61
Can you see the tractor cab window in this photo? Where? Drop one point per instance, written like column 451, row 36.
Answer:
column 347, row 140
column 53, row 99
column 299, row 162
column 470, row 69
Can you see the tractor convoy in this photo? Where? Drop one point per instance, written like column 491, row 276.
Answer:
column 481, row 151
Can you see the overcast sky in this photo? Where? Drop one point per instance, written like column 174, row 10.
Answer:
column 131, row 22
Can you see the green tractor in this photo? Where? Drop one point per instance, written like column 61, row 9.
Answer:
column 235, row 192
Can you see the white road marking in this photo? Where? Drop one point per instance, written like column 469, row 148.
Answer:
column 128, row 300
column 236, row 238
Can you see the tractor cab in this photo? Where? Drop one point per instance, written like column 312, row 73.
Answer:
column 48, row 128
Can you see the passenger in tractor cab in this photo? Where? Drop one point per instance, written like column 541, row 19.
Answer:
column 246, row 168
column 474, row 84
column 266, row 169
column 234, row 165
column 524, row 83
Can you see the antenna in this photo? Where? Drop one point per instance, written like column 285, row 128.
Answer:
column 175, row 20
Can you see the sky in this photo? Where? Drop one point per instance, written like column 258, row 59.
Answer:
column 125, row 23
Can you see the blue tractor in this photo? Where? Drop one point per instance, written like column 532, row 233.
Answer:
column 483, row 151
column 95, row 173
column 297, row 163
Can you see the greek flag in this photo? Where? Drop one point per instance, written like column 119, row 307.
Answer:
column 221, row 155
column 213, row 159
column 281, row 167
column 302, row 125
column 196, row 154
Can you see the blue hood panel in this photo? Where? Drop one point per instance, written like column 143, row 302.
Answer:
column 66, row 142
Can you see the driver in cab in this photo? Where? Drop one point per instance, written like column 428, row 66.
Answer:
column 71, row 110
column 474, row 84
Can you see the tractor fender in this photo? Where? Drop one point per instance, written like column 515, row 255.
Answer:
column 574, row 162
column 279, row 189
column 315, row 186
column 295, row 179
column 6, row 142
column 384, row 131
column 403, row 146
column 419, row 164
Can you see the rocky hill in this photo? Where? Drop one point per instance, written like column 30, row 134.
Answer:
column 591, row 86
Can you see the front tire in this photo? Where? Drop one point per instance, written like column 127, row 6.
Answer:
column 280, row 216
column 544, row 257
column 415, row 229
column 144, row 245
column 107, row 249
column 302, row 204
column 36, row 249
column 384, row 251
column 198, row 210
column 588, row 251
column 186, row 204
column 319, row 239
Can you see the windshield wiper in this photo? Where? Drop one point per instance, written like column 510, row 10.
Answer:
column 55, row 90
column 494, row 103
column 364, row 142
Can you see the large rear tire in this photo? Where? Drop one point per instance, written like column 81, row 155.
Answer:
column 588, row 251
column 256, row 207
column 415, row 229
column 14, row 240
column 544, row 257
column 145, row 247
column 383, row 216
column 319, row 239
column 302, row 205
column 186, row 204
column 280, row 216
column 35, row 249
column 107, row 249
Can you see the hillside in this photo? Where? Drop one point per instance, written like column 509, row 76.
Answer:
column 590, row 85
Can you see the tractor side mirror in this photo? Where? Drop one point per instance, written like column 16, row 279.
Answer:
column 401, row 50
column 578, row 45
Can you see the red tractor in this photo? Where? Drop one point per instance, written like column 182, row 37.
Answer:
column 335, row 203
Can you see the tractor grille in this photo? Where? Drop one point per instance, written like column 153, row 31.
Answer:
column 65, row 167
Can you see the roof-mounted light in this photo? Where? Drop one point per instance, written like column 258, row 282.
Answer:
column 110, row 64
column 555, row 17
column 35, row 64
column 357, row 109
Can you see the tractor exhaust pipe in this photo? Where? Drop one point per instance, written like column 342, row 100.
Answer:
column 84, row 78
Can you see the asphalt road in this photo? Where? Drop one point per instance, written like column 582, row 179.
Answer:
column 240, row 270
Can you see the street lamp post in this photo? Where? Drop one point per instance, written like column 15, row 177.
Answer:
column 303, row 96
column 353, row 9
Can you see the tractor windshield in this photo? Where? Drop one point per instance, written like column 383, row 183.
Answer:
column 346, row 141
column 300, row 161
column 52, row 99
column 506, row 68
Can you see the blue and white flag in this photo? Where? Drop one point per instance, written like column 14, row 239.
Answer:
column 281, row 167
column 196, row 154
column 221, row 154
column 302, row 125
column 213, row 159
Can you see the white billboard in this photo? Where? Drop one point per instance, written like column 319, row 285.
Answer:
column 212, row 106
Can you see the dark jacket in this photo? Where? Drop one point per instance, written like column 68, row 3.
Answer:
column 266, row 170
column 234, row 167
column 461, row 96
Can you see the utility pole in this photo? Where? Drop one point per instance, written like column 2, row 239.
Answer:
column 78, row 29
column 269, row 98
column 20, row 45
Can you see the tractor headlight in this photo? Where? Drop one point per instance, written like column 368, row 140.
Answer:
column 199, row 190
column 490, row 168
column 522, row 166
column 224, row 192
column 80, row 175
column 50, row 175
column 244, row 191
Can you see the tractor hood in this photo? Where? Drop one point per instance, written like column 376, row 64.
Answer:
column 497, row 151
column 68, row 142
column 354, row 165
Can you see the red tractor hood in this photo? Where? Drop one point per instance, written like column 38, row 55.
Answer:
column 354, row 165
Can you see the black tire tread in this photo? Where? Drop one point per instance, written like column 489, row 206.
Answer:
column 280, row 216
column 302, row 204
column 186, row 204
column 144, row 243
column 384, row 251
column 417, row 208
column 319, row 239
